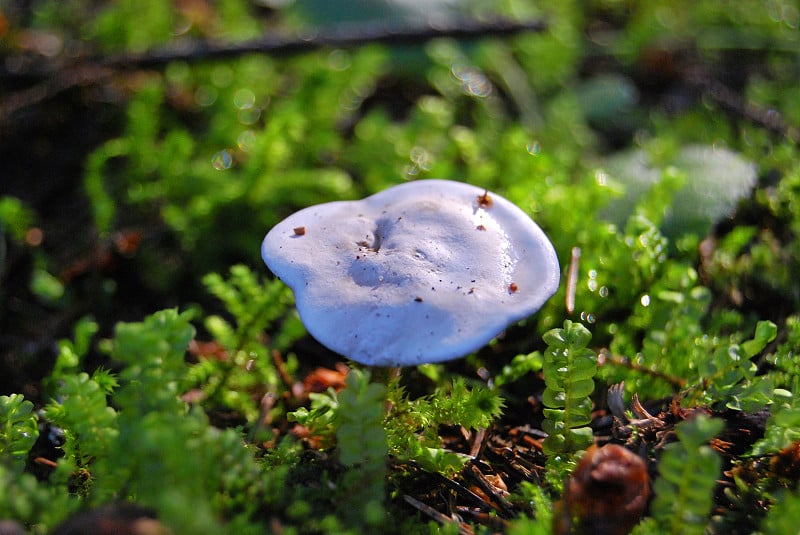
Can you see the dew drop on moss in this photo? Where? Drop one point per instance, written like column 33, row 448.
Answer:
column 246, row 140
column 222, row 160
column 244, row 99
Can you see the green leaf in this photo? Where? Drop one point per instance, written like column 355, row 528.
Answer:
column 18, row 429
column 765, row 333
column 46, row 286
column 554, row 398
column 555, row 338
column 71, row 352
column 15, row 218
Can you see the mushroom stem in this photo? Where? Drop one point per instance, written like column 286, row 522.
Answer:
column 385, row 374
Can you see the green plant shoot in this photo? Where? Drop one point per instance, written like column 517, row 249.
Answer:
column 18, row 429
column 362, row 448
column 569, row 370
column 689, row 470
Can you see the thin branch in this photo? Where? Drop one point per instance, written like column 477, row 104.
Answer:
column 463, row 529
column 340, row 36
column 58, row 78
column 78, row 76
column 619, row 360
column 344, row 36
column 732, row 101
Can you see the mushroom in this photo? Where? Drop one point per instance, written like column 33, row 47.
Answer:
column 422, row 272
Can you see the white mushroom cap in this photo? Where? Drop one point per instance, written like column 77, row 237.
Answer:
column 422, row 272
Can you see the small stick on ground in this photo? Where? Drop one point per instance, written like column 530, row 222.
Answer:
column 572, row 279
column 618, row 360
column 463, row 529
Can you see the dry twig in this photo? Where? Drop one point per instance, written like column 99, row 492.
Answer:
column 55, row 79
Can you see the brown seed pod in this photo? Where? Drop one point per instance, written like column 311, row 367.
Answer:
column 606, row 494
column 299, row 231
